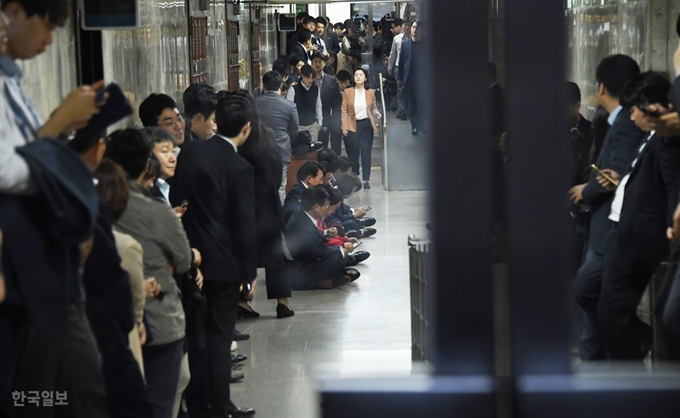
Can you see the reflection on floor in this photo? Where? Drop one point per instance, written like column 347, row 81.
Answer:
column 363, row 328
column 407, row 156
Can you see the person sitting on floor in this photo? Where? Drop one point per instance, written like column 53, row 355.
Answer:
column 333, row 239
column 354, row 221
column 315, row 265
column 310, row 174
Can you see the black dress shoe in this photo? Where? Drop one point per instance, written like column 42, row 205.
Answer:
column 414, row 132
column 368, row 232
column 353, row 234
column 283, row 311
column 353, row 274
column 237, row 358
column 367, row 185
column 241, row 412
column 244, row 313
column 366, row 222
column 315, row 146
column 239, row 336
column 237, row 377
column 361, row 256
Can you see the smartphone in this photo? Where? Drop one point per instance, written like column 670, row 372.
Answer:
column 368, row 208
column 600, row 172
column 649, row 112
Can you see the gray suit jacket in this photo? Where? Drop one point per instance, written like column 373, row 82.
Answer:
column 281, row 116
column 157, row 228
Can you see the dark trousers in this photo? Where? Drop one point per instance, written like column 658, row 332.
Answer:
column 305, row 276
column 336, row 141
column 162, row 367
column 402, row 101
column 222, row 300
column 197, row 393
column 127, row 394
column 278, row 281
column 361, row 142
column 70, row 364
column 586, row 289
column 351, row 225
column 414, row 110
column 323, row 137
column 668, row 305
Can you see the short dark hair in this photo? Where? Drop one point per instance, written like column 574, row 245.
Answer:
column 573, row 94
column 313, row 196
column 152, row 107
column 129, row 149
column 113, row 188
column 272, row 80
column 282, row 66
column 85, row 140
column 301, row 15
column 201, row 101
column 309, row 169
column 321, row 21
column 56, row 11
column 334, row 195
column 614, row 71
column 343, row 75
column 356, row 55
column 398, row 22
column 304, row 35
column 232, row 114
column 307, row 71
column 320, row 56
column 646, row 88
column 294, row 59
column 307, row 20
column 344, row 163
column 339, row 26
column 326, row 154
column 348, row 183
column 156, row 135
column 193, row 89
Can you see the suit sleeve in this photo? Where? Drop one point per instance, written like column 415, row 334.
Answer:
column 294, row 124
column 624, row 146
column 393, row 57
column 243, row 200
column 344, row 113
column 669, row 164
column 291, row 94
column 319, row 109
column 172, row 238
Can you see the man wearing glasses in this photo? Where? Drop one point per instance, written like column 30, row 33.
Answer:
column 160, row 110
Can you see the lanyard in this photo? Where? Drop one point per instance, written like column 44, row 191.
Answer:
column 22, row 119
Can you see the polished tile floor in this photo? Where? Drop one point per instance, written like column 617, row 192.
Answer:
column 360, row 329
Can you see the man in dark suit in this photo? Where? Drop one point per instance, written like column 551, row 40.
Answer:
column 411, row 75
column 281, row 116
column 327, row 85
column 641, row 216
column 332, row 110
column 316, row 265
column 219, row 185
column 309, row 175
column 617, row 153
column 301, row 46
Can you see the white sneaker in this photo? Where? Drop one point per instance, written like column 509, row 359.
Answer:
column 234, row 346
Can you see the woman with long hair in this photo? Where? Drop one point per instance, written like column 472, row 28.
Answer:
column 359, row 113
column 262, row 152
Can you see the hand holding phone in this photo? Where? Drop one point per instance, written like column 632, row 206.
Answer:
column 605, row 176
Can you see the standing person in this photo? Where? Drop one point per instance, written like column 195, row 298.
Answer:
column 161, row 110
column 307, row 97
column 399, row 30
column 220, row 187
column 319, row 33
column 411, row 75
column 359, row 112
column 199, row 107
column 404, row 10
column 262, row 152
column 281, row 116
column 332, row 110
column 327, row 85
column 301, row 46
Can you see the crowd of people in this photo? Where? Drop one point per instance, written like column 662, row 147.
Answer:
column 625, row 209
column 127, row 258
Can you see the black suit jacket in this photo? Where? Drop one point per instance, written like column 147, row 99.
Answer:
column 333, row 43
column 650, row 200
column 292, row 202
column 618, row 151
column 297, row 49
column 306, row 242
column 331, row 103
column 220, row 222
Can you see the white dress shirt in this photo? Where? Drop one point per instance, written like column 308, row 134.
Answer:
column 360, row 107
column 319, row 109
column 395, row 53
column 18, row 123
column 617, row 203
column 164, row 187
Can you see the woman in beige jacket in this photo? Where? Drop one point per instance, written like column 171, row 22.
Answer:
column 359, row 113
